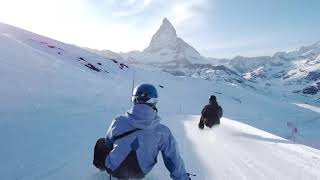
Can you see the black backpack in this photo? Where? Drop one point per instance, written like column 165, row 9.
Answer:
column 129, row 168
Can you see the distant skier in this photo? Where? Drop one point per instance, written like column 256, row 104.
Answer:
column 211, row 113
column 134, row 140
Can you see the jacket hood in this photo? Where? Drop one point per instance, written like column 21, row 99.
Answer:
column 143, row 116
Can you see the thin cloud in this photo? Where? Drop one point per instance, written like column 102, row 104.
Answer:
column 185, row 10
column 129, row 8
column 178, row 11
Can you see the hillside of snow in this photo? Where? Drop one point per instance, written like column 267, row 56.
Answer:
column 57, row 99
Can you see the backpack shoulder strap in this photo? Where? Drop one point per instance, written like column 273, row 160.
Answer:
column 220, row 111
column 125, row 134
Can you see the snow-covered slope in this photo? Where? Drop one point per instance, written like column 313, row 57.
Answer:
column 238, row 151
column 57, row 99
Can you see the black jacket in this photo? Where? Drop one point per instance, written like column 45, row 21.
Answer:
column 210, row 115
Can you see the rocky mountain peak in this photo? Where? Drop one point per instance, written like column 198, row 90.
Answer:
column 166, row 46
column 165, row 35
column 165, row 32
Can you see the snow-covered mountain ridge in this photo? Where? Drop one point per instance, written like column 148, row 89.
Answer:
column 172, row 54
column 295, row 72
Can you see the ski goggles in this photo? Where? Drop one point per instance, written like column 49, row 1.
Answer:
column 144, row 100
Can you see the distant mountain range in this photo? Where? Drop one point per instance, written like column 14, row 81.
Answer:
column 296, row 71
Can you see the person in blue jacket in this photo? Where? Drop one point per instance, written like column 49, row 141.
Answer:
column 139, row 138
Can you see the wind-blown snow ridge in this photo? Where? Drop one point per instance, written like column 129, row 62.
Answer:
column 308, row 106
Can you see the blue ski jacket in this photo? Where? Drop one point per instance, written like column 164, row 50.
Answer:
column 148, row 142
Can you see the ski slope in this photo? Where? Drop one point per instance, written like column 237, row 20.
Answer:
column 53, row 108
column 238, row 151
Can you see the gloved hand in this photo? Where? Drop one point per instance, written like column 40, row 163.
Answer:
column 201, row 124
column 189, row 174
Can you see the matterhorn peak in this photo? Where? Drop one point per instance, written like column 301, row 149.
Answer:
column 165, row 34
column 166, row 46
column 167, row 27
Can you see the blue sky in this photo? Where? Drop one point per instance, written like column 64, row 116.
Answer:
column 216, row 28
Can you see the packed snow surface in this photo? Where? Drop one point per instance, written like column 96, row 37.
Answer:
column 238, row 151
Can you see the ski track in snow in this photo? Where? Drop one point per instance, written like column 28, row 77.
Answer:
column 237, row 151
column 308, row 106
